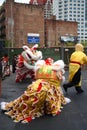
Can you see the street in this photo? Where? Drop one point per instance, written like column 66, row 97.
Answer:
column 72, row 117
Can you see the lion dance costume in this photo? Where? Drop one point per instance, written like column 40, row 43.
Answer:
column 77, row 59
column 26, row 62
column 43, row 96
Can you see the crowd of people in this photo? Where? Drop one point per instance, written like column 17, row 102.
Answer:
column 45, row 95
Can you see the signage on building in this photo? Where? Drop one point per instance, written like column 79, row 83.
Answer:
column 66, row 39
column 33, row 38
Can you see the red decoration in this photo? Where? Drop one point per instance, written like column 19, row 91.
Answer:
column 35, row 99
column 38, row 1
column 58, row 113
column 28, row 119
column 49, row 61
column 39, row 87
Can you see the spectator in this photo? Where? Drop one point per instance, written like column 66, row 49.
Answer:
column 5, row 62
column 14, row 62
column 6, row 71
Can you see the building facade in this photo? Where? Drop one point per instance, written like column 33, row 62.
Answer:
column 17, row 20
column 55, row 29
column 73, row 10
column 48, row 6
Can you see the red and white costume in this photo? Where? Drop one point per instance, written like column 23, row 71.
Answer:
column 26, row 62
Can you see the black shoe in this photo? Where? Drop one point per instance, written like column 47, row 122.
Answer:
column 80, row 91
column 65, row 88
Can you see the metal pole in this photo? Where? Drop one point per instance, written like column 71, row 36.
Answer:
column 62, row 51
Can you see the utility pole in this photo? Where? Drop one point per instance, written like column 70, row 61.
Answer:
column 12, row 24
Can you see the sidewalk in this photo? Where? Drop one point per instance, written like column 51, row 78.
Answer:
column 72, row 117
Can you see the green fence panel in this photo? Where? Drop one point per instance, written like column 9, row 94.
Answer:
column 55, row 53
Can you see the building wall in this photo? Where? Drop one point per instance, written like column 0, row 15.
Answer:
column 22, row 19
column 57, row 28
column 73, row 10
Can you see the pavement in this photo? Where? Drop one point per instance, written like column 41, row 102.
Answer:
column 72, row 117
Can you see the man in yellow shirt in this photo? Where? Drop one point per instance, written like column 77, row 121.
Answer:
column 77, row 59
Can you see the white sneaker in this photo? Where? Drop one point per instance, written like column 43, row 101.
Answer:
column 67, row 100
column 3, row 104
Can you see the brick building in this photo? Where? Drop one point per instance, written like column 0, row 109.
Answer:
column 48, row 6
column 17, row 20
column 54, row 29
column 38, row 2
